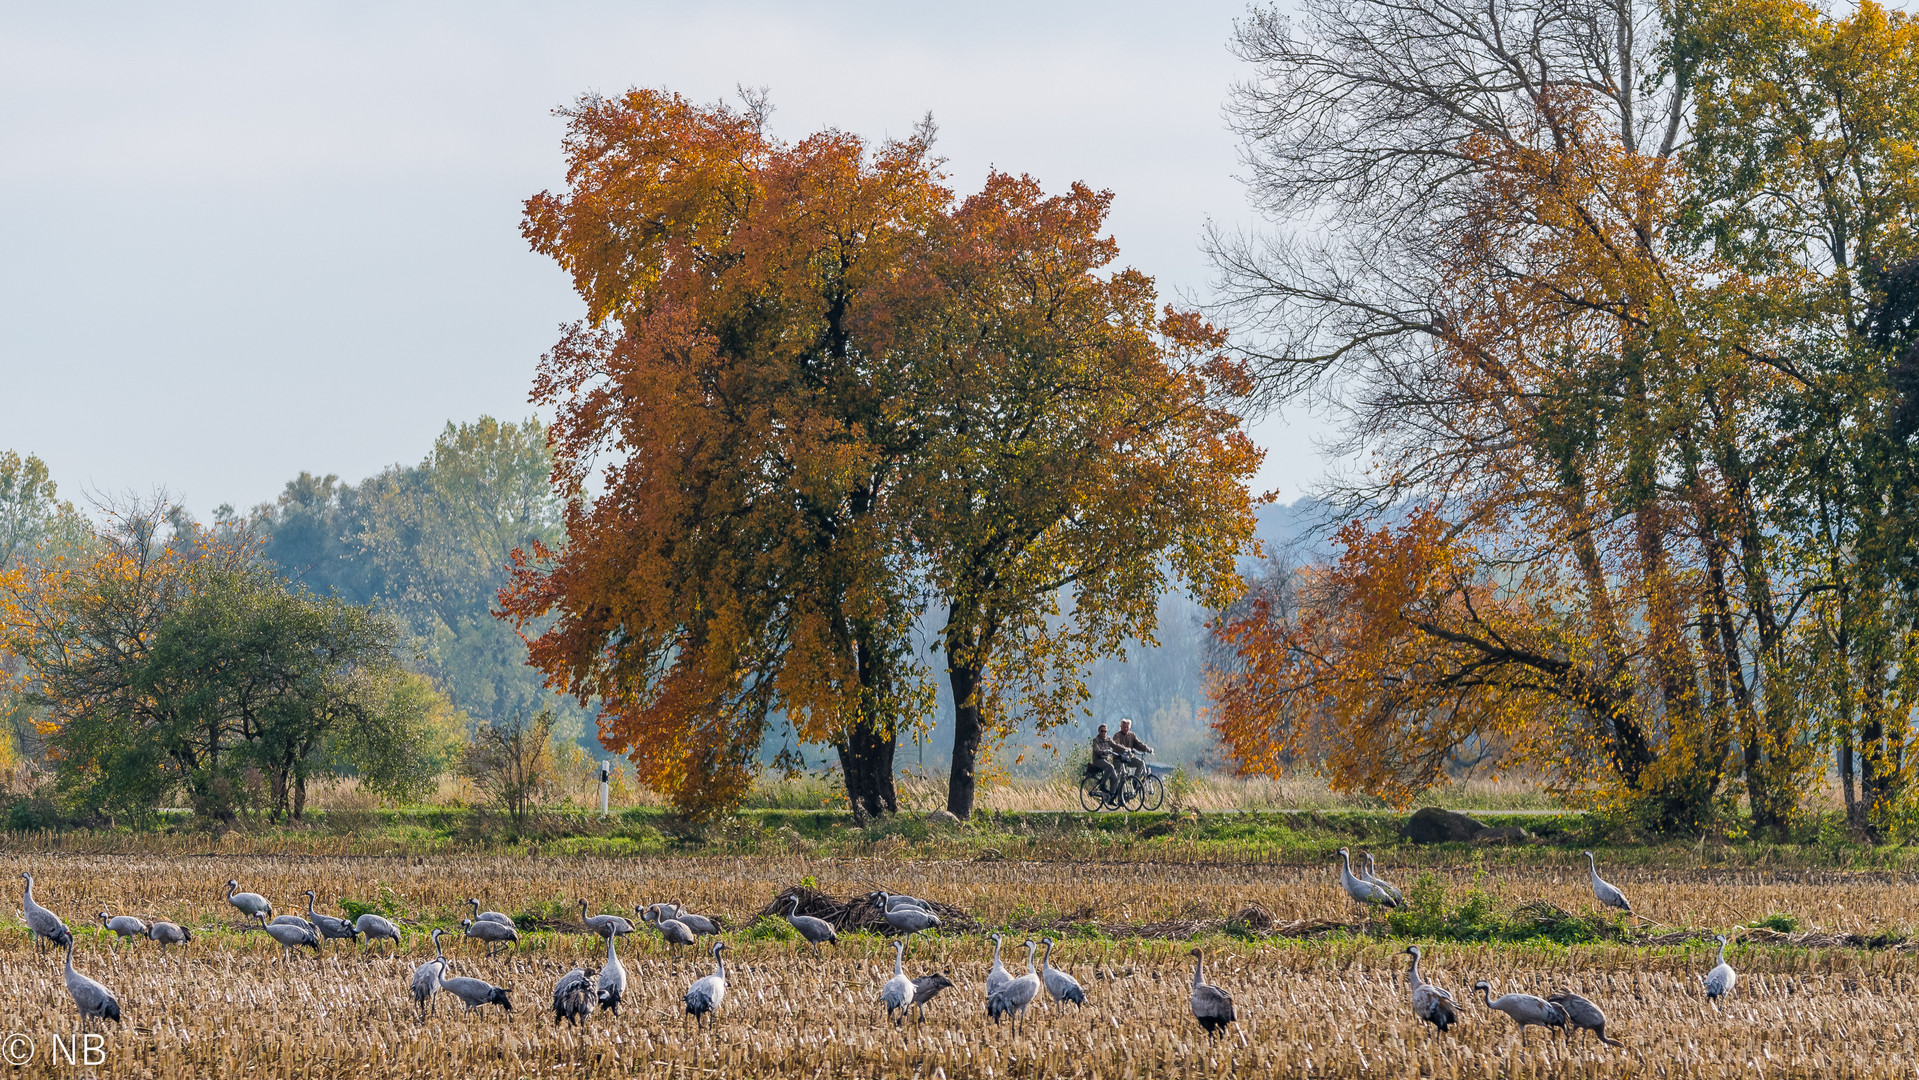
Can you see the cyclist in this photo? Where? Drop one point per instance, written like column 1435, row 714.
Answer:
column 1110, row 751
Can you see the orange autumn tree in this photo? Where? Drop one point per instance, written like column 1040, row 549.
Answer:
column 731, row 398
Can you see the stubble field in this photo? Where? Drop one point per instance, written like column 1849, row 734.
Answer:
column 1331, row 1006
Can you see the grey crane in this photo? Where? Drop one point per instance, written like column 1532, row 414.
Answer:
column 926, row 988
column 477, row 992
column 1017, row 995
column 1719, row 981
column 289, row 936
column 604, row 925
column 906, row 918
column 1605, row 893
column 1583, row 1014
column 1059, row 985
column 897, row 994
column 612, row 984
column 124, row 925
column 1525, row 1009
column 44, row 925
column 248, row 903
column 1360, row 889
column 999, row 976
column 1211, row 1006
column 894, row 901
column 94, row 1001
column 331, row 928
column 1430, row 1003
column 371, row 926
column 167, row 933
column 489, row 916
column 494, row 934
column 572, row 997
column 699, row 924
column 673, row 931
column 1371, row 875
column 428, row 976
column 704, row 996
column 293, row 920
column 810, row 928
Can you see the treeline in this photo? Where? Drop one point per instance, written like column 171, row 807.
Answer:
column 1625, row 299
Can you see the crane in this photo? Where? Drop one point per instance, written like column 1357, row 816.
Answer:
column 248, row 903
column 94, row 1001
column 124, row 925
column 331, row 928
column 1399, row 898
column 1719, row 981
column 894, row 901
column 1360, row 889
column 906, row 918
column 1605, row 893
column 289, row 936
column 167, row 933
column 1017, row 995
column 489, row 916
column 699, row 924
column 926, row 988
column 1583, row 1014
column 810, row 928
column 494, row 934
column 373, row 926
column 293, row 920
column 1525, row 1009
column 1061, row 986
column 1212, row 1007
column 428, row 976
column 999, row 976
column 704, row 996
column 612, row 985
column 572, row 997
column 604, row 925
column 897, row 994
column 1430, row 1003
column 672, row 931
column 44, row 925
column 477, row 992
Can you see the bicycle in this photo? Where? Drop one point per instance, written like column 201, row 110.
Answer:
column 1139, row 787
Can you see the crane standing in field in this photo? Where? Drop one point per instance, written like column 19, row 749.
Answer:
column 1430, row 1003
column 810, row 928
column 1211, row 1006
column 428, row 976
column 897, row 994
column 488, row 916
column 1583, row 1014
column 125, row 926
column 1606, row 893
column 1060, row 986
column 604, row 925
column 289, row 936
column 999, row 976
column 477, row 992
column 612, row 984
column 94, row 1001
column 1525, row 1009
column 1720, row 980
column 572, row 997
column 331, row 928
column 248, row 903
column 1371, row 874
column 494, row 934
column 167, row 933
column 672, row 931
column 703, row 998
column 1017, row 995
column 906, row 918
column 372, row 926
column 699, row 924
column 925, row 989
column 44, row 925
column 1361, row 890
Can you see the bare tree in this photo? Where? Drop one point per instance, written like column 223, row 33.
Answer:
column 512, row 761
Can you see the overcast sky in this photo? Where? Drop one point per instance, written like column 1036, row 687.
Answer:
column 240, row 241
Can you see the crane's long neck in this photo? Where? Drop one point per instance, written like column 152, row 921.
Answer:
column 610, row 940
column 1047, row 960
column 996, row 945
column 899, row 954
column 1485, row 994
column 1029, row 958
column 1722, row 950
column 1199, row 966
column 1413, row 976
column 69, row 955
column 719, row 964
column 232, row 887
column 310, row 912
column 476, row 908
column 29, row 878
column 436, row 947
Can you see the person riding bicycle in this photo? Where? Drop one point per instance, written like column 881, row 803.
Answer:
column 1110, row 751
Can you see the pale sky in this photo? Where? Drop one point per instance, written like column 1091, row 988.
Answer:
column 245, row 240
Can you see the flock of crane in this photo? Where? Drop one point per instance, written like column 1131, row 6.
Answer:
column 577, row 994
column 1565, row 1010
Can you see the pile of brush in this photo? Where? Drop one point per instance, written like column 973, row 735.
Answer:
column 859, row 912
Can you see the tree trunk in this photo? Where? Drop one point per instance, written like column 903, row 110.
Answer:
column 965, row 680
column 1855, row 820
column 866, row 760
column 299, row 797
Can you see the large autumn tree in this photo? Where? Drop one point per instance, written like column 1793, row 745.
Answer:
column 1628, row 376
column 731, row 388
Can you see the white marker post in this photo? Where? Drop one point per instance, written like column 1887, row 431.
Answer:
column 606, row 773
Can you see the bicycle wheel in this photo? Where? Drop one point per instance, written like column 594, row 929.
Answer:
column 1153, row 793
column 1090, row 794
column 1131, row 793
